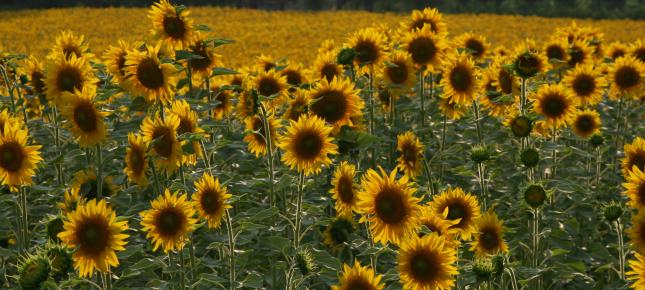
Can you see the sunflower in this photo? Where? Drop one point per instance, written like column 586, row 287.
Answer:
column 579, row 53
column 83, row 118
column 148, row 76
column 359, row 277
column 343, row 189
column 460, row 81
column 96, row 234
column 297, row 106
column 425, row 48
column 338, row 232
column 634, row 156
column 616, row 50
column 635, row 187
column 427, row 263
column 247, row 105
column 307, row 144
column 270, row 84
column 256, row 134
column 85, row 182
column 188, row 124
column 439, row 224
column 489, row 239
column 294, row 74
column 335, row 102
column 637, row 232
column 460, row 205
column 398, row 72
column 114, row 59
column 370, row 47
column 224, row 99
column 452, row 110
column 428, row 17
column 265, row 63
column 497, row 82
column 67, row 75
column 626, row 77
column 556, row 52
column 67, row 45
column 327, row 45
column 325, row 67
column 169, row 221
column 172, row 25
column 637, row 273
column 585, row 83
column 527, row 60
column 637, row 50
column 389, row 206
column 35, row 74
column 18, row 161
column 475, row 45
column 211, row 200
column 9, row 118
column 136, row 160
column 410, row 154
column 71, row 201
column 586, row 123
column 201, row 69
column 166, row 146
column 556, row 104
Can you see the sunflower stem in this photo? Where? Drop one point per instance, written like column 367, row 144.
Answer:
column 182, row 278
column 392, row 128
column 443, row 145
column 477, row 124
column 422, row 97
column 598, row 163
column 301, row 185
column 523, row 97
column 554, row 152
column 621, row 249
column 482, row 183
column 24, row 103
column 270, row 163
column 3, row 70
column 59, row 165
column 189, row 74
column 25, row 218
column 155, row 175
column 428, row 173
column 535, row 237
column 231, row 248
column 207, row 161
column 99, row 170
column 191, row 258
column 161, row 111
column 370, row 97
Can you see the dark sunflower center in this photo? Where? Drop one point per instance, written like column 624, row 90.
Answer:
column 505, row 81
column 584, row 85
column 409, row 153
column 555, row 52
column 422, row 50
column 258, row 127
column 85, row 117
column 637, row 159
column 120, row 62
column 585, row 124
column 308, row 145
column 346, row 189
column 222, row 97
column 170, row 221
column 617, row 53
column 329, row 71
column 398, row 74
column 202, row 63
column 461, row 79
column 366, row 52
column 424, row 267
column 527, row 65
column 433, row 228
column 37, row 81
column 421, row 22
column 268, row 87
column 71, row 50
column 641, row 193
column 390, row 206
column 11, row 156
column 185, row 126
column 358, row 283
column 640, row 54
column 93, row 236
column 330, row 105
column 553, row 105
column 476, row 47
column 69, row 79
column 293, row 77
column 384, row 96
column 210, row 201
column 457, row 211
column 149, row 74
column 163, row 146
column 269, row 66
column 89, row 189
column 576, row 56
column 627, row 77
column 489, row 239
column 137, row 160
column 174, row 27
column 340, row 230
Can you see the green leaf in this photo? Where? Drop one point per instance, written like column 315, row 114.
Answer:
column 218, row 71
column 202, row 27
column 184, row 54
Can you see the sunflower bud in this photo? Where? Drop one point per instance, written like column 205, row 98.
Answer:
column 498, row 265
column 612, row 211
column 33, row 272
column 596, row 140
column 530, row 157
column 54, row 227
column 61, row 262
column 479, row 154
column 338, row 232
column 346, row 56
column 305, row 262
column 483, row 269
column 535, row 195
column 526, row 65
column 521, row 126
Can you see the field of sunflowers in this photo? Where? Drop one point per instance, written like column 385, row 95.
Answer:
column 171, row 148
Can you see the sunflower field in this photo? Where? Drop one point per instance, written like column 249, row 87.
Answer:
column 333, row 150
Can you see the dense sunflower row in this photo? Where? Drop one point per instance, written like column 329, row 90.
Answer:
column 402, row 156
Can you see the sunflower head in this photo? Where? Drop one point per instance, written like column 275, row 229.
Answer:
column 71, row 200
column 637, row 50
column 136, row 160
column 410, row 152
column 307, row 144
column 359, row 277
column 211, row 200
column 452, row 109
column 147, row 76
column 555, row 104
column 297, row 106
column 61, row 261
column 557, row 52
column 270, row 84
column 84, row 119
column 398, row 71
column 169, row 221
column 68, row 45
column 585, row 84
column 586, row 123
column 369, row 44
column 530, row 157
column 305, row 262
column 114, row 59
column 616, row 50
column 579, row 53
column 224, row 101
column 489, row 238
column 68, row 75
column 535, row 195
column 425, row 47
column 635, row 188
column 201, row 68
column 439, row 224
column 257, row 136
column 427, row 263
column 634, row 156
column 475, row 45
column 34, row 271
column 18, row 160
column 162, row 137
column 527, row 61
column 325, row 67
column 295, row 75
column 344, row 190
column 461, row 79
column 87, row 186
column 35, row 73
column 336, row 102
column 637, row 273
column 172, row 24
column 338, row 232
column 188, row 124
column 461, row 206
column 626, row 76
column 428, row 17
column 612, row 211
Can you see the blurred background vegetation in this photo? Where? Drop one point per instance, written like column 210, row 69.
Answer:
column 634, row 9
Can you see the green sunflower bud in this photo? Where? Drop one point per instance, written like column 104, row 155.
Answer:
column 483, row 269
column 305, row 262
column 521, row 126
column 54, row 227
column 61, row 262
column 346, row 56
column 596, row 140
column 534, row 195
column 613, row 211
column 34, row 272
column 479, row 154
column 530, row 157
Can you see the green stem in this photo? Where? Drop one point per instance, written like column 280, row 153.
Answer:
column 99, row 174
column 189, row 74
column 296, row 235
column 182, row 275
column 155, row 175
column 59, row 165
column 231, row 247
column 523, row 97
column 443, row 145
column 392, row 128
column 422, row 97
column 621, row 250
column 371, row 105
column 554, row 153
column 270, row 163
column 5, row 77
column 482, row 183
column 477, row 125
column 428, row 173
column 598, row 163
column 191, row 252
column 24, row 102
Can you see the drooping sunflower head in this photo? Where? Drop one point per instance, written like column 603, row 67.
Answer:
column 586, row 123
column 166, row 147
column 211, row 199
column 201, row 68
column 307, row 144
column 147, row 76
column 425, row 47
column 67, row 45
column 224, row 101
column 634, row 156
column 398, row 71
column 67, row 75
column 428, row 17
column 344, row 190
column 172, row 24
column 359, row 277
column 637, row 272
column 637, row 50
column 499, row 87
column 410, row 152
column 34, row 271
column 35, row 73
column 460, row 205
column 18, row 159
column 295, row 74
column 71, row 200
column 626, row 77
column 114, row 59
column 136, row 160
column 427, row 263
column 85, row 182
column 96, row 234
column 336, row 102
column 297, row 106
column 369, row 46
column 635, row 187
column 555, row 104
column 528, row 61
column 338, row 233
column 325, row 67
column 579, row 53
column 489, row 239
column 84, row 119
column 586, row 84
column 257, row 136
column 452, row 109
column 460, row 79
column 61, row 261
column 188, row 124
column 472, row 44
column 616, row 49
column 169, row 221
column 556, row 52
column 389, row 205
